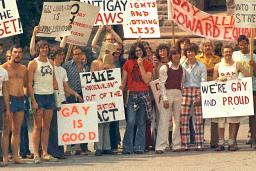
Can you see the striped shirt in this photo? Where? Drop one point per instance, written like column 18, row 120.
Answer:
column 73, row 75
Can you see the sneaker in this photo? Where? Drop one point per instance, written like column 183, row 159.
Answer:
column 232, row 147
column 220, row 148
column 49, row 158
column 159, row 151
column 36, row 159
column 98, row 153
column 110, row 152
column 126, row 152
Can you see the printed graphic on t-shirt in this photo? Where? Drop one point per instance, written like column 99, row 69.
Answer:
column 136, row 76
column 46, row 70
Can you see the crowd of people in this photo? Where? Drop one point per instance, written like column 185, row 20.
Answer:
column 178, row 123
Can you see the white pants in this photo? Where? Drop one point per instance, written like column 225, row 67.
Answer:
column 174, row 97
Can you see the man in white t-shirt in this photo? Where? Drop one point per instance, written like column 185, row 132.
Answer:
column 243, row 56
column 62, row 80
column 4, row 101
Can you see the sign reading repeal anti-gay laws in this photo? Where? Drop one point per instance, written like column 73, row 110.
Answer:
column 245, row 13
column 226, row 99
column 141, row 20
column 103, row 87
column 77, row 123
column 111, row 11
column 9, row 19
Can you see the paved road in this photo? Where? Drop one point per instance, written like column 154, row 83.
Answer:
column 209, row 160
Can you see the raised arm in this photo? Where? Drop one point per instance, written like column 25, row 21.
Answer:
column 146, row 76
column 32, row 47
column 115, row 35
column 96, row 37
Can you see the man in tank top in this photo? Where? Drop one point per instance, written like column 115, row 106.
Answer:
column 17, row 81
column 41, row 85
column 227, row 69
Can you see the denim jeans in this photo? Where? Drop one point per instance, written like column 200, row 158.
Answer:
column 114, row 133
column 135, row 117
column 72, row 99
column 104, row 139
column 24, row 140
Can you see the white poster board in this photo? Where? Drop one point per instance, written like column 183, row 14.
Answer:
column 55, row 18
column 103, row 87
column 245, row 13
column 111, row 11
column 10, row 23
column 77, row 123
column 141, row 20
column 226, row 99
column 84, row 16
column 155, row 88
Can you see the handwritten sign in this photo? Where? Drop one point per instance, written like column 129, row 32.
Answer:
column 55, row 18
column 245, row 13
column 141, row 20
column 195, row 21
column 226, row 99
column 77, row 123
column 9, row 19
column 154, row 85
column 111, row 11
column 103, row 87
column 84, row 18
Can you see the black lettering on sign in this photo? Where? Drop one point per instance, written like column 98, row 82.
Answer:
column 106, row 114
column 3, row 3
column 74, row 10
column 5, row 14
column 98, row 76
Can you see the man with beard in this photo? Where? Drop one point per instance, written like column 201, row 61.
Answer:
column 17, row 81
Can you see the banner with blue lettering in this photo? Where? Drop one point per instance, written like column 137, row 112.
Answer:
column 103, row 87
column 227, row 99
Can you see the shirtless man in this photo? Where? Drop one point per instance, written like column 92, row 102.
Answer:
column 17, row 81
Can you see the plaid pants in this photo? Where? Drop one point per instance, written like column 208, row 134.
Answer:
column 188, row 97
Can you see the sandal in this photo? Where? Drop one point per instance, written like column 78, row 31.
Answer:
column 36, row 159
column 49, row 158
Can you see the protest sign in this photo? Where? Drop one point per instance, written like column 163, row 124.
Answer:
column 195, row 21
column 83, row 21
column 154, row 85
column 111, row 11
column 77, row 123
column 103, row 87
column 245, row 13
column 226, row 99
column 9, row 19
column 55, row 18
column 141, row 20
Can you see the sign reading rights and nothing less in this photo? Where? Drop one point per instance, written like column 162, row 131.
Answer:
column 245, row 13
column 141, row 20
column 103, row 87
column 9, row 19
column 226, row 99
column 77, row 123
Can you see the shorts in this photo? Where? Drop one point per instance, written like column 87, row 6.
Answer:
column 45, row 101
column 221, row 121
column 17, row 104
column 2, row 105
